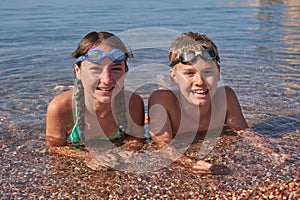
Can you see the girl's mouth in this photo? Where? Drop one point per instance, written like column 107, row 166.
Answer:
column 106, row 89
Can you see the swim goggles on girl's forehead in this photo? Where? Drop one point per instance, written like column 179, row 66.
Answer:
column 189, row 57
column 96, row 56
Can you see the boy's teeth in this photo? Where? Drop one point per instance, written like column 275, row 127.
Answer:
column 201, row 91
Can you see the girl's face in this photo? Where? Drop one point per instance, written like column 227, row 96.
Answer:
column 197, row 82
column 103, row 80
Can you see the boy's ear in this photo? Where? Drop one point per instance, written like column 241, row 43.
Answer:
column 173, row 76
column 77, row 70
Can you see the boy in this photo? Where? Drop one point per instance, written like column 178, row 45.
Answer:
column 200, row 105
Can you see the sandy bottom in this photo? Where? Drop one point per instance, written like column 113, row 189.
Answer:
column 30, row 171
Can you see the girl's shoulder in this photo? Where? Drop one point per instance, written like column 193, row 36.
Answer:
column 62, row 102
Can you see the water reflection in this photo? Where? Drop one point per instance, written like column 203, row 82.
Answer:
column 277, row 51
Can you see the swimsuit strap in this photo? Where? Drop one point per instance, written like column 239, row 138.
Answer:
column 74, row 137
column 115, row 136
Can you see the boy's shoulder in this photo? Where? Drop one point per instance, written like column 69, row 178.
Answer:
column 133, row 97
column 164, row 97
column 168, row 94
column 229, row 91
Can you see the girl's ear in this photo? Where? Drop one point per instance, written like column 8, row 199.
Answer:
column 77, row 70
column 173, row 76
column 219, row 68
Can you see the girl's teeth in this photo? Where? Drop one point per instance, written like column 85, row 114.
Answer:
column 104, row 89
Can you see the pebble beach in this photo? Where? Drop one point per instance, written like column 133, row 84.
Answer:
column 31, row 171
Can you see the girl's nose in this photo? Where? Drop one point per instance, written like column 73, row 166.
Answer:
column 105, row 77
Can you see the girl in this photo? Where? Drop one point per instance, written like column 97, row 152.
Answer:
column 98, row 107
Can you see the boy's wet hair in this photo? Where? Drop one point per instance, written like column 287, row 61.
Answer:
column 191, row 41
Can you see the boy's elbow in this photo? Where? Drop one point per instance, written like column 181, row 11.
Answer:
column 161, row 139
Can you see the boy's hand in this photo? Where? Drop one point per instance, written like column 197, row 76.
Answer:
column 199, row 167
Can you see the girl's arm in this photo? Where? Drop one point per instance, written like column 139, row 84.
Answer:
column 59, row 118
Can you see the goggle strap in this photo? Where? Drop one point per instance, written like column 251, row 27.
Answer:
column 102, row 56
column 175, row 62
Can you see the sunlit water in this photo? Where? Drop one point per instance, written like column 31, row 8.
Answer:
column 259, row 45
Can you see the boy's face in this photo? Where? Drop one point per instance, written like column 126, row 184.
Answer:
column 197, row 82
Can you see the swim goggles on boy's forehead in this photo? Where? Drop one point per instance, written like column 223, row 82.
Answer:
column 189, row 57
column 96, row 56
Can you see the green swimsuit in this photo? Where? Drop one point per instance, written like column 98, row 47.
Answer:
column 74, row 137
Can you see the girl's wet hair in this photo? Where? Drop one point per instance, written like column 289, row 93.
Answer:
column 88, row 42
column 191, row 41
column 93, row 39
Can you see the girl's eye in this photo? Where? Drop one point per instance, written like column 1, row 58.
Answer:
column 116, row 68
column 95, row 69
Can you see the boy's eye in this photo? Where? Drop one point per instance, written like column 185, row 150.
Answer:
column 189, row 72
column 208, row 73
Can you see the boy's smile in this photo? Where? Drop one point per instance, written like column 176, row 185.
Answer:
column 200, row 93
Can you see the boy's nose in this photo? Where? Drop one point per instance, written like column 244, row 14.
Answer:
column 199, row 79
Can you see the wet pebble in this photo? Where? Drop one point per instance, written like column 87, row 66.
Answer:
column 30, row 174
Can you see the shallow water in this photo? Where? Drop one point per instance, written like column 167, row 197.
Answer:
column 259, row 44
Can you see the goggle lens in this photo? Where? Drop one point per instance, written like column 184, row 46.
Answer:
column 189, row 57
column 96, row 56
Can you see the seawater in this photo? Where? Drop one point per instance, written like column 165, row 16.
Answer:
column 259, row 44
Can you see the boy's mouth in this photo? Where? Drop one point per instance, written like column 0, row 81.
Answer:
column 201, row 91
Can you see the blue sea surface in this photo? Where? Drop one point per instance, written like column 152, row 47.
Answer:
column 259, row 44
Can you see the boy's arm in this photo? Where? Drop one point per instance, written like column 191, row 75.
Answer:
column 260, row 142
column 237, row 122
column 161, row 131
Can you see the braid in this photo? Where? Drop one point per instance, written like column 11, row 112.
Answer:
column 91, row 40
column 79, row 98
column 121, row 110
